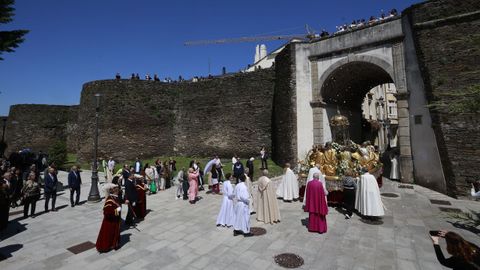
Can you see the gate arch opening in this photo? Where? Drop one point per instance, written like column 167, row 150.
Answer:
column 351, row 89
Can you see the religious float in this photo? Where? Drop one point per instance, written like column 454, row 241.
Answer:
column 337, row 158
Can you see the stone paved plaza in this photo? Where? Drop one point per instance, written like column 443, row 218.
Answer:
column 177, row 235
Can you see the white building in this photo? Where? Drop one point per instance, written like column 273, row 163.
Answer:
column 380, row 106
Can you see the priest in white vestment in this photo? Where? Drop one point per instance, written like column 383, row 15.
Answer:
column 311, row 172
column 226, row 217
column 288, row 187
column 242, row 212
column 368, row 201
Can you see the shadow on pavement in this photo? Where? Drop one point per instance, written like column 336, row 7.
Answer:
column 14, row 227
column 124, row 238
column 304, row 222
column 6, row 251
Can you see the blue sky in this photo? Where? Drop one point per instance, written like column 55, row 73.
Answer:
column 73, row 42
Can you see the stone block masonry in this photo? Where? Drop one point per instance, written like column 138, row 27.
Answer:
column 225, row 116
column 447, row 41
column 37, row 126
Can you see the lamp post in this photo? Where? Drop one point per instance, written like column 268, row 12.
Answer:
column 381, row 120
column 94, row 195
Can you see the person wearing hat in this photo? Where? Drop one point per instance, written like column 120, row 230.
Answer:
column 109, row 235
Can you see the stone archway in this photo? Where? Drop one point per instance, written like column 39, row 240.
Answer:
column 343, row 86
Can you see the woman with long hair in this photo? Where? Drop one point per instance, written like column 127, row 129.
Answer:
column 465, row 255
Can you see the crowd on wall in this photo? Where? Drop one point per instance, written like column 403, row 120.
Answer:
column 156, row 78
column 361, row 23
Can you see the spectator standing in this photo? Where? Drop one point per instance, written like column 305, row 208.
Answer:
column 250, row 167
column 30, row 194
column 137, row 166
column 74, row 183
column 238, row 169
column 264, row 158
column 4, row 200
column 349, row 189
column 50, row 188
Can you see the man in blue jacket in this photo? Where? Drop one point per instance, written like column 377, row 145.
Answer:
column 50, row 188
column 74, row 183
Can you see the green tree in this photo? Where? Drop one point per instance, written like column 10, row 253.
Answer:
column 9, row 39
column 57, row 153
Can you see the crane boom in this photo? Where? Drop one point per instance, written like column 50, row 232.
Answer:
column 243, row 39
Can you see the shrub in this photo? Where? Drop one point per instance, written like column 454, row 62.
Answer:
column 57, row 153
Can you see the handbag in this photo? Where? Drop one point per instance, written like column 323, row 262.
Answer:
column 153, row 187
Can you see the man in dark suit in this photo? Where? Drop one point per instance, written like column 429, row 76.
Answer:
column 125, row 174
column 50, row 188
column 238, row 169
column 74, row 183
column 131, row 198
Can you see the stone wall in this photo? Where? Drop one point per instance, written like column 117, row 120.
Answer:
column 447, row 41
column 224, row 115
column 284, row 118
column 37, row 126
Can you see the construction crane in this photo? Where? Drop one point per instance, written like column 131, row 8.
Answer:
column 310, row 35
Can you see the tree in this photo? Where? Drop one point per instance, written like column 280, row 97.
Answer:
column 57, row 154
column 9, row 39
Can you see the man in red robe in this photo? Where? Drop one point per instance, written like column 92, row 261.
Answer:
column 109, row 235
column 316, row 205
column 141, row 206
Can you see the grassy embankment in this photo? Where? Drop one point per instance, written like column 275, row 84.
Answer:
column 183, row 162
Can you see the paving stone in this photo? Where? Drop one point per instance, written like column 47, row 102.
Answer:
column 176, row 235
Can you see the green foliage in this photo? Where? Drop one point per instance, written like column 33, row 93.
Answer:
column 57, row 153
column 9, row 39
column 463, row 101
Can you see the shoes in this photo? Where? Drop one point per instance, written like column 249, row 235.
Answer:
column 347, row 216
column 248, row 234
column 73, row 205
column 235, row 232
column 54, row 210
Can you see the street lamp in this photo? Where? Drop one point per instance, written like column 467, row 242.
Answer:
column 94, row 195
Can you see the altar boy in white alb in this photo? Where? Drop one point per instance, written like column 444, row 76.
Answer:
column 288, row 187
column 226, row 217
column 242, row 212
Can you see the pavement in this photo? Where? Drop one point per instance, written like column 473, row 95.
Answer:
column 177, row 235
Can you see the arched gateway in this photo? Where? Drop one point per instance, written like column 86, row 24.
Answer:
column 335, row 74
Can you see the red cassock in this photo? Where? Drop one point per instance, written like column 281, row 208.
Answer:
column 109, row 235
column 141, row 206
column 316, row 206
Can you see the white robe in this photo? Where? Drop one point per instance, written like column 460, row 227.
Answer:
column 288, row 187
column 311, row 172
column 368, row 201
column 226, row 217
column 248, row 183
column 242, row 213
column 394, row 171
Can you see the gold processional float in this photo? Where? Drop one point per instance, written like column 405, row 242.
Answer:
column 338, row 157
